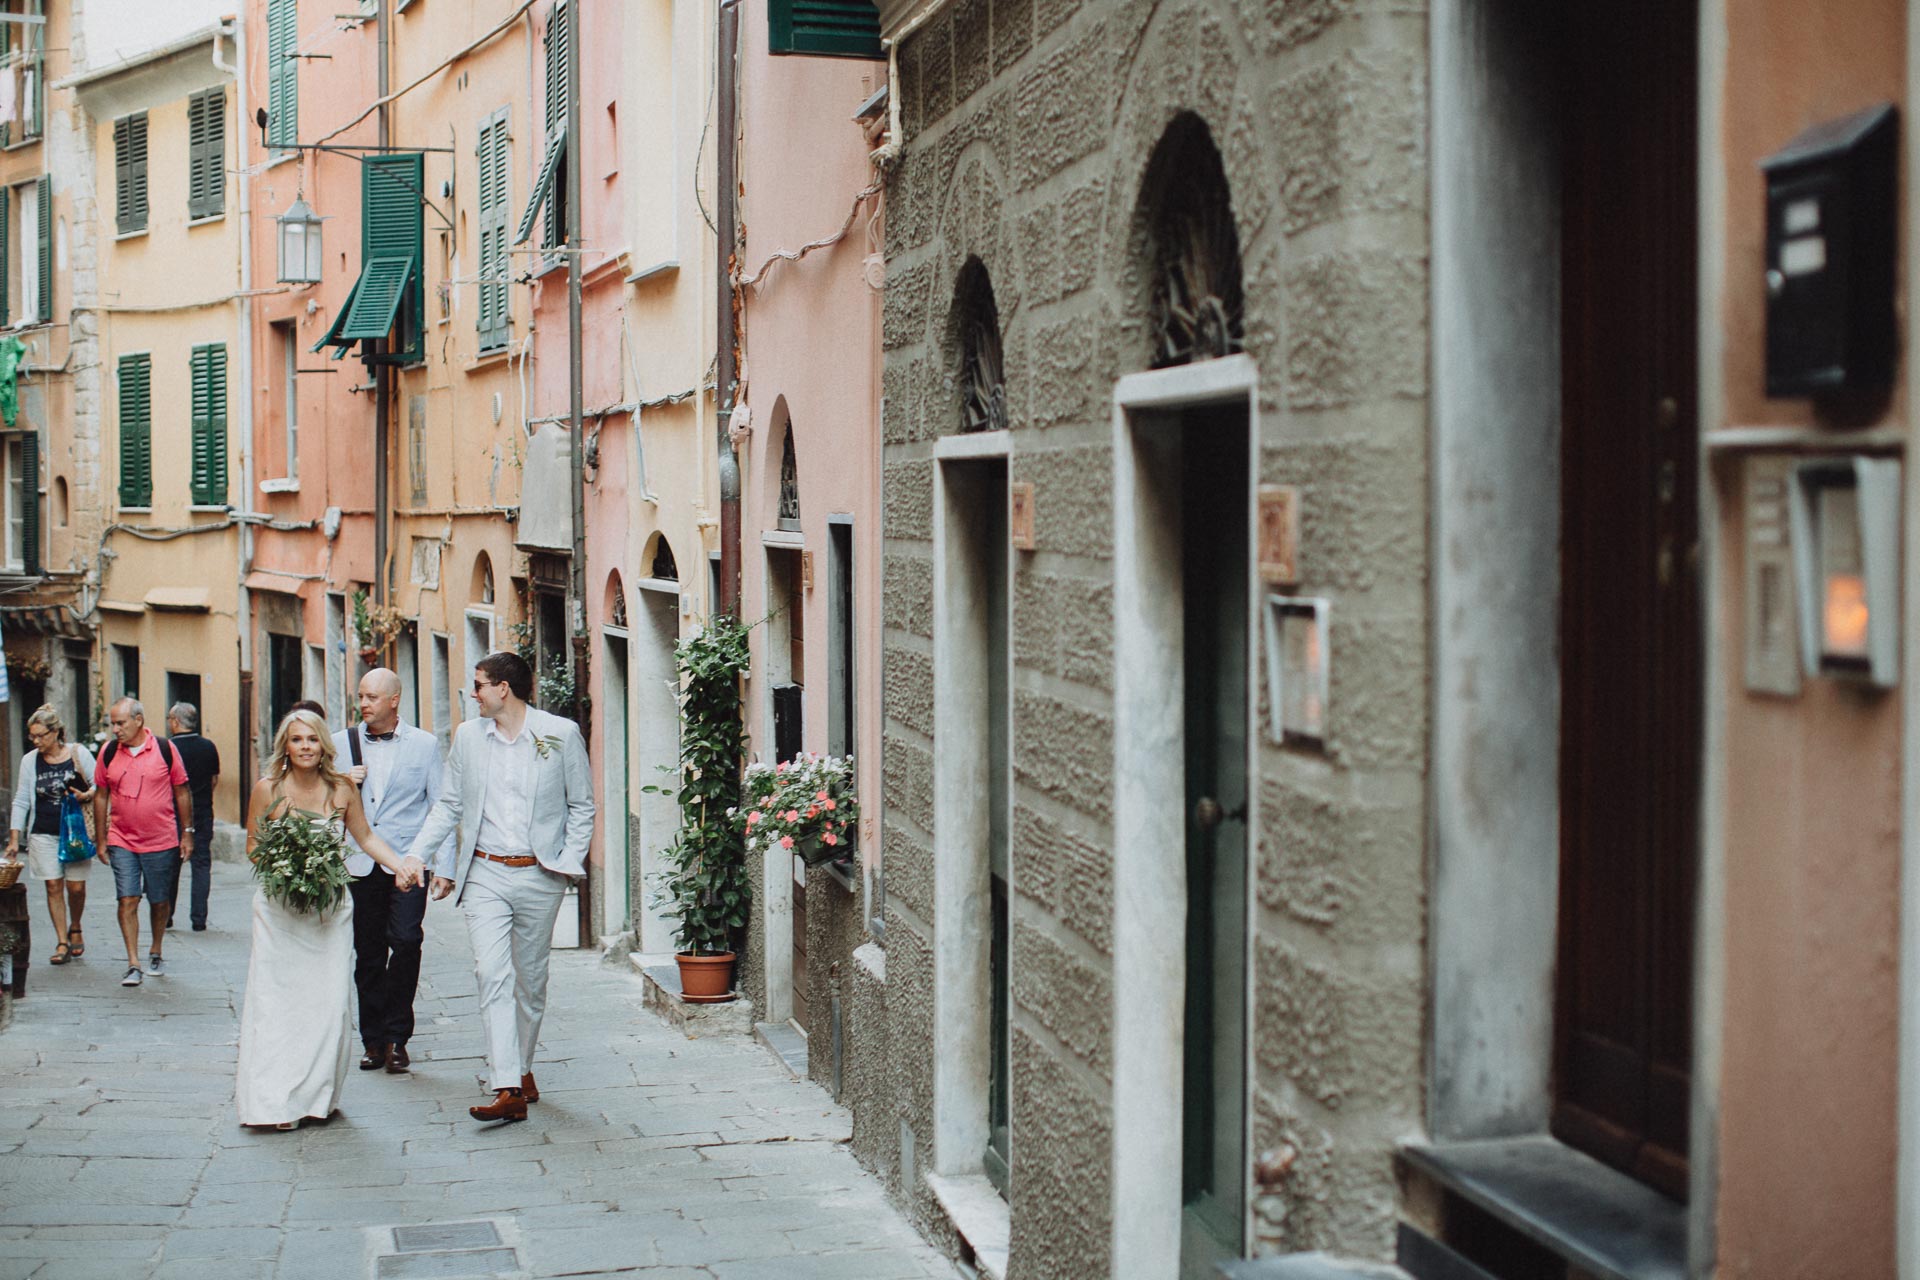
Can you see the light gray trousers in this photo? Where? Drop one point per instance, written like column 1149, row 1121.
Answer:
column 510, row 913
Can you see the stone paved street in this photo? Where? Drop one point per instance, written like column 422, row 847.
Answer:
column 649, row 1154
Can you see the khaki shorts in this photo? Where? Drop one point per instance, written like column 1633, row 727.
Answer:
column 43, row 860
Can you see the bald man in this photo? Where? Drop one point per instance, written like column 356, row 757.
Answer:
column 398, row 769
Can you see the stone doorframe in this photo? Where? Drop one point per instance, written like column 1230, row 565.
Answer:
column 1149, row 820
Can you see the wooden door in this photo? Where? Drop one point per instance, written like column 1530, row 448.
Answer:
column 1630, row 622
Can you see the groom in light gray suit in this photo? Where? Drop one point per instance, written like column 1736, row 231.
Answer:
column 520, row 792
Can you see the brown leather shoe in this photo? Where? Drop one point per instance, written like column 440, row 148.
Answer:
column 376, row 1058
column 528, row 1089
column 397, row 1060
column 507, row 1105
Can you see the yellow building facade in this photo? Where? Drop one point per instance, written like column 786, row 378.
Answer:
column 165, row 155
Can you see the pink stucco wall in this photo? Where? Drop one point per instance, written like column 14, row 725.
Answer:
column 811, row 364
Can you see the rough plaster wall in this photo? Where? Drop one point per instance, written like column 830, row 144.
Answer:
column 1029, row 124
column 69, row 142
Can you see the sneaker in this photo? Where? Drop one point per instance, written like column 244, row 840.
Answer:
column 133, row 976
column 156, row 968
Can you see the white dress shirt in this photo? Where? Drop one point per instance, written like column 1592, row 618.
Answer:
column 506, row 812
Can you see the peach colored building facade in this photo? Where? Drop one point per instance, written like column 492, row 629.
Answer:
column 810, row 465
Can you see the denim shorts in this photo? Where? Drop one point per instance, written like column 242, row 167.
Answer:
column 156, row 869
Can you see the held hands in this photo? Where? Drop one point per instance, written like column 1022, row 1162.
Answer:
column 441, row 888
column 412, row 872
column 357, row 774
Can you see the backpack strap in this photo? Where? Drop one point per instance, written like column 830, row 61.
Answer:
column 353, row 744
column 107, row 754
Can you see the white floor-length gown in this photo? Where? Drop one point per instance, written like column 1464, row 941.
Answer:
column 296, row 1026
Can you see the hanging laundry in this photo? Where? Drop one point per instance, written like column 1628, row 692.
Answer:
column 9, row 91
column 12, row 352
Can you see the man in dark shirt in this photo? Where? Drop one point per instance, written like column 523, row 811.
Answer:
column 202, row 761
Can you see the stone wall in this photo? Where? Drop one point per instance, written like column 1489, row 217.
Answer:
column 1029, row 124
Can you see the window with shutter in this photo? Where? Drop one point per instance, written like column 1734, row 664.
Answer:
column 136, row 431
column 30, row 503
column 130, row 173
column 44, row 266
column 559, row 89
column 495, row 192
column 835, row 28
column 6, row 254
column 207, row 154
column 390, row 290
column 283, row 84
column 210, row 425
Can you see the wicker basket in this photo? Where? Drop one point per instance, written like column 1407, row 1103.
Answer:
column 10, row 872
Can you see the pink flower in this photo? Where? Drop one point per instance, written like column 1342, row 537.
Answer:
column 753, row 817
column 781, row 767
column 821, row 796
column 786, row 842
column 831, row 838
column 791, row 815
column 813, row 812
column 829, row 805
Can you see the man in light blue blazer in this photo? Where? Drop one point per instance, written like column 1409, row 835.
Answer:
column 520, row 792
column 397, row 768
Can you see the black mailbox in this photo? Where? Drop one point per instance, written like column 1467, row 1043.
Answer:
column 1832, row 210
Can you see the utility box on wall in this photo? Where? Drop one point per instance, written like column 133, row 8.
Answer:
column 1846, row 552
column 1832, row 219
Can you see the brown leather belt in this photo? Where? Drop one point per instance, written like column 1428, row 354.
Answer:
column 523, row 860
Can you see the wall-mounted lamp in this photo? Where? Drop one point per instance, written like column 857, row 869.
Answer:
column 1846, row 551
column 299, row 244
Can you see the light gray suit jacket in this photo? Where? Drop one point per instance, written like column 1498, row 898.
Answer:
column 562, row 819
column 397, row 811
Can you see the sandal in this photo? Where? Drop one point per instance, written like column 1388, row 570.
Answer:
column 76, row 949
column 61, row 953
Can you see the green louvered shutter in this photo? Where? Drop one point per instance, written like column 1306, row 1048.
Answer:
column 210, row 425
column 136, row 431
column 45, row 247
column 30, row 495
column 392, row 225
column 558, row 89
column 495, row 192
column 6, row 248
column 283, row 82
column 207, row 154
column 130, row 172
column 836, row 28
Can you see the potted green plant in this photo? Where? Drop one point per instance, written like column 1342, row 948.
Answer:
column 705, row 883
column 377, row 625
column 805, row 805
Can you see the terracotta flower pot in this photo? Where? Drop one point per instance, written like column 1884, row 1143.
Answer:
column 705, row 979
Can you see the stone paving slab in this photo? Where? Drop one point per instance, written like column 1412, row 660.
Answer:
column 649, row 1154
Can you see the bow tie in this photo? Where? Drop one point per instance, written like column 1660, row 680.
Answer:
column 382, row 737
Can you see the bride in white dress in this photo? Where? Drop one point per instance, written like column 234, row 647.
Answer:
column 296, row 1027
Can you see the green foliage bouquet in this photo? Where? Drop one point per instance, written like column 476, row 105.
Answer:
column 300, row 864
column 805, row 804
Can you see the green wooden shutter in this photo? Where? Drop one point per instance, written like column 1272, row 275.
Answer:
column 30, row 496
column 136, row 431
column 559, row 89
column 836, row 28
column 207, row 154
column 6, row 248
column 210, row 425
column 283, row 83
column 392, row 225
column 130, row 172
column 45, row 203
column 495, row 191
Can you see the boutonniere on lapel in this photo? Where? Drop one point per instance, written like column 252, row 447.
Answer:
column 547, row 745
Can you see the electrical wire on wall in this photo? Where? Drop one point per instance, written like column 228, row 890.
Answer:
column 794, row 255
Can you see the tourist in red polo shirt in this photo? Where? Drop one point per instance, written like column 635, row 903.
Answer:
column 140, row 791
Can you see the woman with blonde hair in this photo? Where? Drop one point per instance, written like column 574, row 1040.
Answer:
column 296, row 1027
column 52, row 769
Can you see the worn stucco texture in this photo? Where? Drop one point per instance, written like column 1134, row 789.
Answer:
column 1029, row 126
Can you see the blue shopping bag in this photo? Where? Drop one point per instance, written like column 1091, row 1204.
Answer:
column 76, row 845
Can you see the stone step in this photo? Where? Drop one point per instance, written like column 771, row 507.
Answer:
column 662, row 976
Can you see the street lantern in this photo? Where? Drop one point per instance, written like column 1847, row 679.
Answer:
column 299, row 244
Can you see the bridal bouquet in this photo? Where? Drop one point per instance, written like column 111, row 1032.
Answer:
column 299, row 864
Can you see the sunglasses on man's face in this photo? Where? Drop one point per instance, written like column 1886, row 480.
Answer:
column 478, row 685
